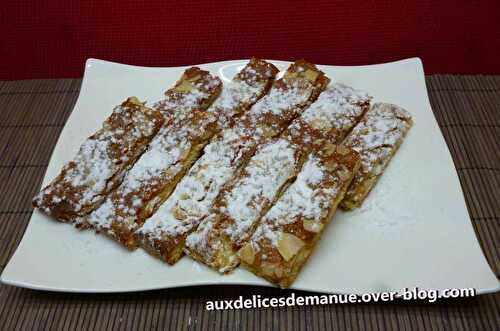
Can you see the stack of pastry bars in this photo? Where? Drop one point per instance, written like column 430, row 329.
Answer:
column 249, row 172
column 165, row 232
column 243, row 202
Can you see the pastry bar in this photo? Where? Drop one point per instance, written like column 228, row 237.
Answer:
column 288, row 233
column 376, row 138
column 101, row 162
column 249, row 85
column 194, row 190
column 239, row 208
column 169, row 155
column 241, row 204
column 165, row 232
column 330, row 118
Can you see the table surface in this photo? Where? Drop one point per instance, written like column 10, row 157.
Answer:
column 32, row 115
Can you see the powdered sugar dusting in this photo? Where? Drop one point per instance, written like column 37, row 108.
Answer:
column 265, row 174
column 194, row 194
column 267, row 119
column 339, row 107
column 103, row 215
column 265, row 231
column 267, row 171
column 200, row 239
column 161, row 162
column 301, row 213
column 177, row 107
column 375, row 138
column 156, row 167
column 92, row 168
column 280, row 101
column 303, row 197
column 235, row 96
column 102, row 157
column 383, row 126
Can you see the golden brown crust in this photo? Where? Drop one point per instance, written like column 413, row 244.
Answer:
column 258, row 71
column 173, row 150
column 330, row 118
column 300, row 86
column 286, row 236
column 164, row 233
column 196, row 89
column 376, row 138
column 242, row 203
column 101, row 162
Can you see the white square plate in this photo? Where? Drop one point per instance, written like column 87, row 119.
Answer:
column 413, row 230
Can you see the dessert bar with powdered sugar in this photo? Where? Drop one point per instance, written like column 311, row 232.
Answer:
column 376, row 138
column 162, row 233
column 238, row 209
column 250, row 172
column 287, row 234
column 101, row 162
column 170, row 153
column 165, row 232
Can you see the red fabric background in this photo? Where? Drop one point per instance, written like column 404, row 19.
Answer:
column 44, row 39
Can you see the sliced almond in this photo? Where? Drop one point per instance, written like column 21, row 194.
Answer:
column 290, row 75
column 344, row 173
column 184, row 154
column 378, row 169
column 184, row 86
column 329, row 148
column 311, row 75
column 342, row 150
column 246, row 254
column 289, row 245
column 317, row 124
column 179, row 213
column 268, row 269
column 312, row 226
column 134, row 100
column 272, row 270
column 268, row 132
column 319, row 142
column 184, row 196
column 194, row 78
